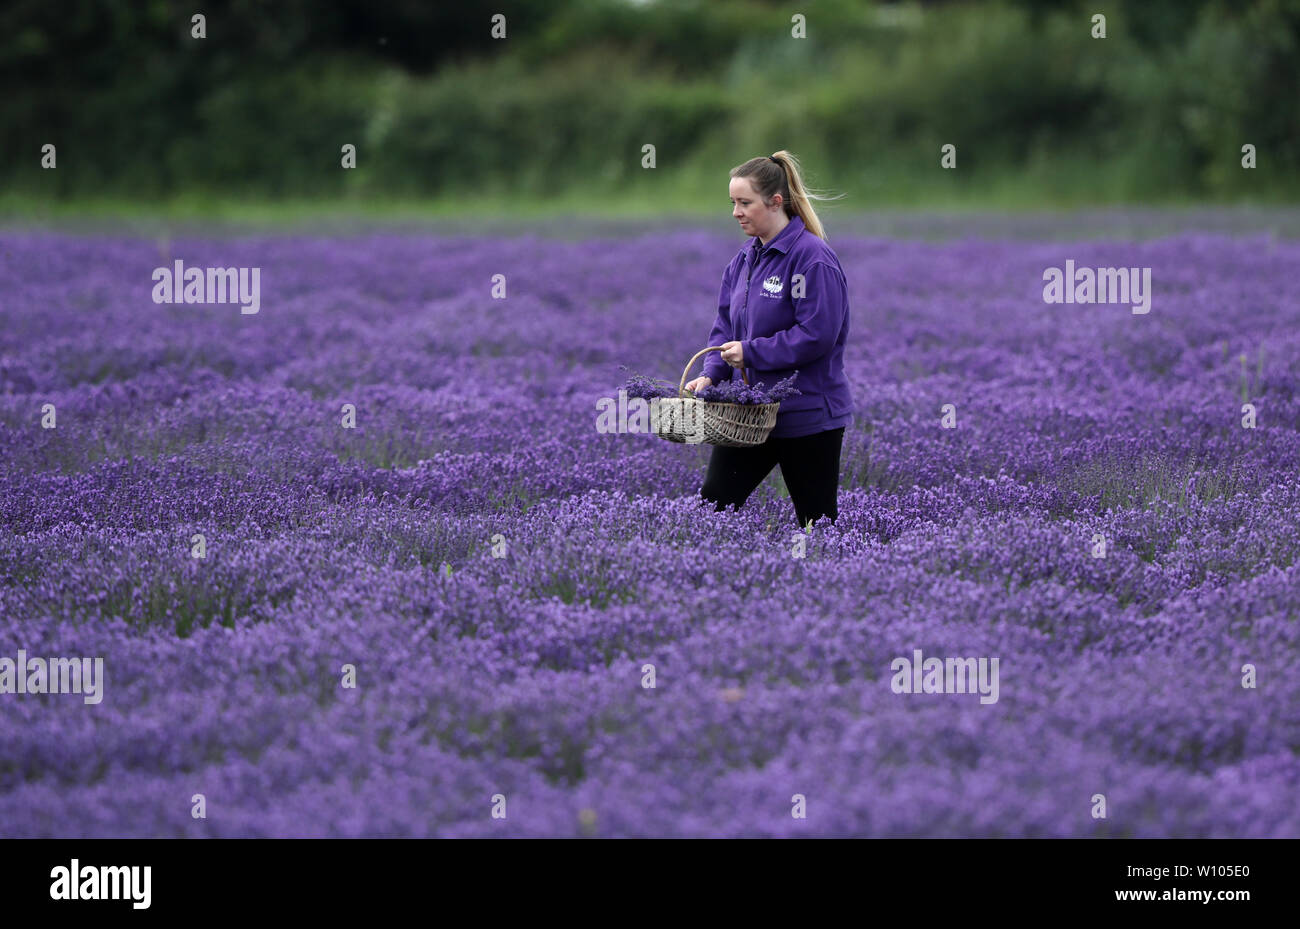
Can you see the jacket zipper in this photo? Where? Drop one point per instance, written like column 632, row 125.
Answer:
column 753, row 263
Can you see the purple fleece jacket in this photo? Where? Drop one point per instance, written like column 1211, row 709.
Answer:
column 788, row 304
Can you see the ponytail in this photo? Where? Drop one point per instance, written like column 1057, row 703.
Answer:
column 779, row 174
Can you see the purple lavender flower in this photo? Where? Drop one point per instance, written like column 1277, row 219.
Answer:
column 201, row 519
column 737, row 391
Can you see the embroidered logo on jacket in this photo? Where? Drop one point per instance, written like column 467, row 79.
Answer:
column 773, row 285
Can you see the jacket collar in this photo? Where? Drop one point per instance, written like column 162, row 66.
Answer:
column 782, row 241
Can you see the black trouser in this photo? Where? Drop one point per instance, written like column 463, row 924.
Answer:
column 810, row 466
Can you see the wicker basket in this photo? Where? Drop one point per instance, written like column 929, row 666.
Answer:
column 685, row 418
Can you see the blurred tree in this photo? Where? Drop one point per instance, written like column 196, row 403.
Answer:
column 1151, row 23
column 434, row 103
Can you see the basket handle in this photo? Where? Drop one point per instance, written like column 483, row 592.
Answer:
column 681, row 386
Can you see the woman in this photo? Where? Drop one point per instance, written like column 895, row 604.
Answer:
column 783, row 307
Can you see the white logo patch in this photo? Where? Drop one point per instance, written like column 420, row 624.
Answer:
column 773, row 285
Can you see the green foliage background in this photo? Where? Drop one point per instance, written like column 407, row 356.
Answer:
column 1042, row 114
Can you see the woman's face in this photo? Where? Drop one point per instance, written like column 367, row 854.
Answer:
column 749, row 211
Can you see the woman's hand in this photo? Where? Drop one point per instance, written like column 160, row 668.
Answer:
column 733, row 353
column 699, row 383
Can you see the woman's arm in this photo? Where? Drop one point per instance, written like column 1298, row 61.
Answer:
column 819, row 316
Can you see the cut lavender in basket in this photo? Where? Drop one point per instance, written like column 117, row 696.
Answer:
column 647, row 388
column 736, row 391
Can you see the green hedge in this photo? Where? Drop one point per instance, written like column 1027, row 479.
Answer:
column 1036, row 107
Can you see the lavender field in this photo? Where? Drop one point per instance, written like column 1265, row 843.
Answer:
column 499, row 574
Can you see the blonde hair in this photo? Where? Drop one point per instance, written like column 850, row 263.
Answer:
column 781, row 176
